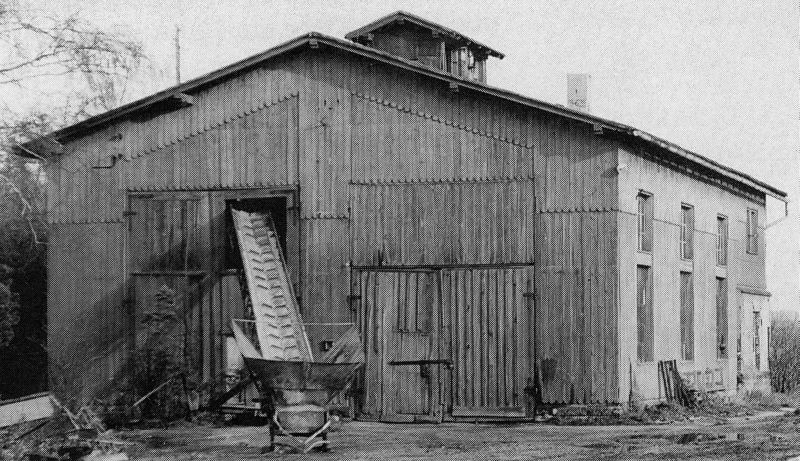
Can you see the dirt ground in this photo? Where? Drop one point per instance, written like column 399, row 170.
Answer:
column 766, row 435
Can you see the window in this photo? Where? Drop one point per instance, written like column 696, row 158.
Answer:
column 459, row 60
column 722, row 240
column 687, row 231
column 644, row 313
column 644, row 226
column 687, row 316
column 722, row 318
column 757, row 338
column 752, row 231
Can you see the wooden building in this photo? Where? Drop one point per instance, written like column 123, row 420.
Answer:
column 513, row 251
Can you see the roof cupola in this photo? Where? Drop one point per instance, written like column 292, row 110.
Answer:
column 416, row 39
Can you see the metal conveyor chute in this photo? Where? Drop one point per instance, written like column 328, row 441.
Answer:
column 279, row 328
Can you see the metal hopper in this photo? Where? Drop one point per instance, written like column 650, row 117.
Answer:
column 295, row 390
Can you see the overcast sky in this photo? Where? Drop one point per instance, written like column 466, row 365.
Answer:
column 716, row 77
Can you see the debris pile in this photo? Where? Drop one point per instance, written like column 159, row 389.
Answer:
column 40, row 427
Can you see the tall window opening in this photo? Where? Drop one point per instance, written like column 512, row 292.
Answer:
column 644, row 313
column 722, row 240
column 644, row 221
column 752, row 231
column 757, row 338
column 687, row 231
column 722, row 318
column 687, row 316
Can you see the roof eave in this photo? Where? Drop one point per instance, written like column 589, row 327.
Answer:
column 176, row 91
column 191, row 85
column 711, row 165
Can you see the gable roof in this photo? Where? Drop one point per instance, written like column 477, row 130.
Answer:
column 177, row 92
column 402, row 16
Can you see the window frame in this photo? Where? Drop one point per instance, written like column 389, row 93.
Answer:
column 644, row 221
column 645, row 337
column 757, row 339
column 722, row 240
column 752, row 231
column 722, row 317
column 687, row 232
column 687, row 313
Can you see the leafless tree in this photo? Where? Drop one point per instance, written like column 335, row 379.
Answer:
column 784, row 355
column 54, row 71
column 39, row 47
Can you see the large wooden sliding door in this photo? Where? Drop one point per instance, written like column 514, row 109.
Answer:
column 488, row 335
column 400, row 332
column 181, row 240
column 445, row 343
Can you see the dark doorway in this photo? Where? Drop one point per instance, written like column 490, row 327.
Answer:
column 274, row 206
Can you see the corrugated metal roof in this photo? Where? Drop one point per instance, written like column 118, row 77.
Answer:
column 196, row 84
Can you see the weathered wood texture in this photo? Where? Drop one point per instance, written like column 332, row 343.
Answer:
column 408, row 224
column 242, row 133
column 670, row 188
column 390, row 168
column 576, row 312
column 487, row 331
column 400, row 310
column 413, row 44
column 324, row 274
column 169, row 242
column 87, row 314
column 392, row 142
column 478, row 319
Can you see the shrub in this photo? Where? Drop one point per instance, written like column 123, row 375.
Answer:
column 784, row 355
column 9, row 314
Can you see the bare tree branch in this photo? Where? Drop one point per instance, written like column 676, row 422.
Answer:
column 72, row 70
column 42, row 46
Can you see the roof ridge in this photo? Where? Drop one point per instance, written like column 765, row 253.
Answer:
column 557, row 109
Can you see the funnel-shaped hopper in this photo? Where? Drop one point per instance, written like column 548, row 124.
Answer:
column 318, row 382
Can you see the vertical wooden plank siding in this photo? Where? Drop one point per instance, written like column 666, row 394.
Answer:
column 478, row 319
column 87, row 295
column 170, row 247
column 247, row 149
column 486, row 333
column 409, row 299
column 488, row 222
column 324, row 274
column 576, row 318
column 392, row 170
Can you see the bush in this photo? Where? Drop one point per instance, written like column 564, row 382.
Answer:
column 784, row 355
column 9, row 314
column 162, row 360
column 759, row 400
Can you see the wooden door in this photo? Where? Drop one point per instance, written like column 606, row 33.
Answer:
column 487, row 335
column 169, row 254
column 752, row 346
column 399, row 323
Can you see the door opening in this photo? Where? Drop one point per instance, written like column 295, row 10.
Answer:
column 274, row 206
